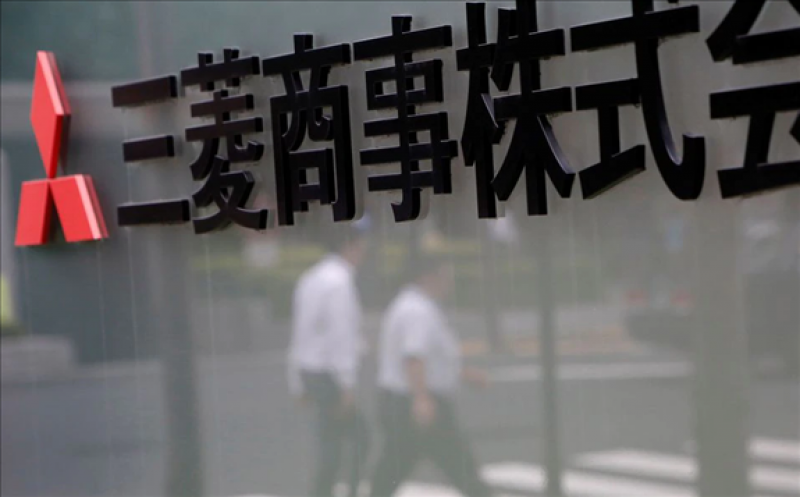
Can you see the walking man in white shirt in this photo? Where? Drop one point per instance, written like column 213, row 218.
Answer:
column 324, row 358
column 420, row 370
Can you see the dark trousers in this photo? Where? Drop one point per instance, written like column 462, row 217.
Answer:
column 405, row 443
column 342, row 437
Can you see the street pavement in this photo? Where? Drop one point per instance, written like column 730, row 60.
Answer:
column 625, row 429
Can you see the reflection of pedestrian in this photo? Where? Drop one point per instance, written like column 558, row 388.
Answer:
column 420, row 369
column 324, row 358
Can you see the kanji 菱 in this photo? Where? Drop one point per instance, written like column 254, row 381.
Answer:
column 228, row 190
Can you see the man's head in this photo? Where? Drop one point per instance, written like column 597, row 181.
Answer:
column 350, row 241
column 434, row 274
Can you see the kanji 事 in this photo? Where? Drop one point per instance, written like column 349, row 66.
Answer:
column 321, row 112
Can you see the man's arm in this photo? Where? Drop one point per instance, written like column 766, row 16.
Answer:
column 415, row 346
column 423, row 405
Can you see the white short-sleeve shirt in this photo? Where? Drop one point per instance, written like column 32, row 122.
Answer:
column 416, row 327
column 326, row 334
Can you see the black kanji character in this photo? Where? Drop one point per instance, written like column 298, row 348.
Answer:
column 229, row 190
column 645, row 29
column 761, row 104
column 401, row 44
column 306, row 108
column 481, row 129
column 150, row 148
column 731, row 38
column 533, row 148
column 614, row 166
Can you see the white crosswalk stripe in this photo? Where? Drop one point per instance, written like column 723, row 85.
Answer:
column 422, row 489
column 629, row 472
column 530, row 479
column 637, row 473
column 766, row 478
column 781, row 451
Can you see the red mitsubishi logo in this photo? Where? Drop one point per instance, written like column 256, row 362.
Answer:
column 74, row 195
